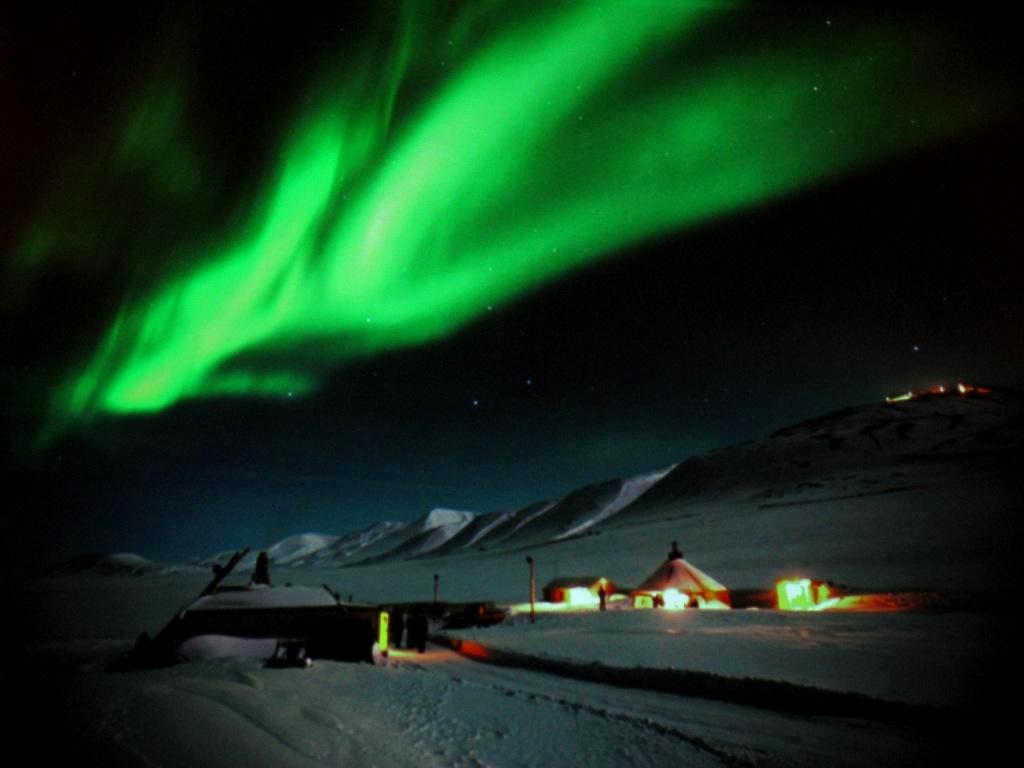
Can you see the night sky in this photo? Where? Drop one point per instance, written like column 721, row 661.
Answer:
column 279, row 267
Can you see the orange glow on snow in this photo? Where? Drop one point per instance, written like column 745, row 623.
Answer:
column 472, row 649
column 429, row 656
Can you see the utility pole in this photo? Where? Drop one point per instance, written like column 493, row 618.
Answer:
column 533, row 592
column 436, row 579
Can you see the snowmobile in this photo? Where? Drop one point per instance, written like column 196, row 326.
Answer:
column 306, row 623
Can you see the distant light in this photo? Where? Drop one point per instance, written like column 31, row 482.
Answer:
column 580, row 596
column 794, row 595
column 643, row 601
column 675, row 600
column 804, row 595
column 900, row 398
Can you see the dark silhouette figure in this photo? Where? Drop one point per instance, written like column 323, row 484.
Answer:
column 397, row 629
column 602, row 595
column 418, row 632
column 659, row 601
column 675, row 553
column 261, row 575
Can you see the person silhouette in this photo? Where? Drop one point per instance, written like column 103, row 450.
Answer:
column 261, row 574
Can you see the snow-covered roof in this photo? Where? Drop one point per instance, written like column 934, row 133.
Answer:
column 260, row 596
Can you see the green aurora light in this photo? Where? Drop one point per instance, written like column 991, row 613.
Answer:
column 579, row 130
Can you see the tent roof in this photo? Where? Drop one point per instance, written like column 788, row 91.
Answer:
column 681, row 575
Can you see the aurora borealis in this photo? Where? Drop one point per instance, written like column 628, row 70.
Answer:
column 370, row 233
column 531, row 211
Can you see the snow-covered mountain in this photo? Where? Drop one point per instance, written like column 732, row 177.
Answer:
column 420, row 537
column 299, row 548
column 870, row 449
column 293, row 550
column 119, row 564
column 872, row 478
column 352, row 544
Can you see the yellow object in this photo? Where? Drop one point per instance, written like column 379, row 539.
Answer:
column 382, row 631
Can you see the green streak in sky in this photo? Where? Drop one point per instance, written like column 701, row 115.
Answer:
column 571, row 135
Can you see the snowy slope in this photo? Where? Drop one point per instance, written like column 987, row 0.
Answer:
column 573, row 515
column 483, row 531
column 352, row 544
column 870, row 449
column 428, row 531
column 426, row 534
column 629, row 491
column 877, row 495
column 925, row 494
column 296, row 549
column 120, row 564
column 293, row 550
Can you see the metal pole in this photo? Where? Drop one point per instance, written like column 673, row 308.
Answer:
column 436, row 578
column 532, row 592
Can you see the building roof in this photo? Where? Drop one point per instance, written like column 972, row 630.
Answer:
column 567, row 582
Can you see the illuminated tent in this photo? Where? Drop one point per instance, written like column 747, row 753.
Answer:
column 576, row 590
column 676, row 578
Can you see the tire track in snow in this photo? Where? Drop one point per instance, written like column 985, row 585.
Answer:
column 774, row 695
column 644, row 724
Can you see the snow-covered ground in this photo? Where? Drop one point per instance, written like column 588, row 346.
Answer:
column 917, row 658
column 441, row 709
column 924, row 495
column 430, row 710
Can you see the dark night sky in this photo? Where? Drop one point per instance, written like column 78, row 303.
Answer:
column 899, row 274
